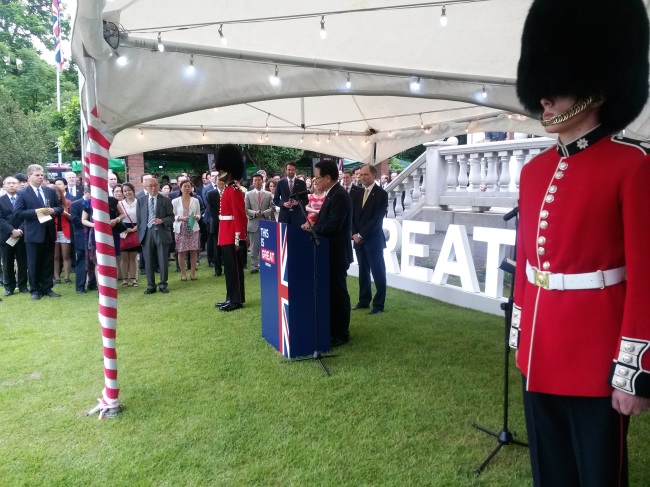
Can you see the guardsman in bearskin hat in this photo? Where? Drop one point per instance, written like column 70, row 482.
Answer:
column 232, row 225
column 580, row 321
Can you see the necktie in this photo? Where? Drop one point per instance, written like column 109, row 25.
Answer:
column 365, row 197
column 13, row 201
column 259, row 199
column 151, row 213
column 40, row 196
column 290, row 186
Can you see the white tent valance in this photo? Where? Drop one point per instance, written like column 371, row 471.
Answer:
column 466, row 71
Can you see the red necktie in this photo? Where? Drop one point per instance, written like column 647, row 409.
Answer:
column 259, row 199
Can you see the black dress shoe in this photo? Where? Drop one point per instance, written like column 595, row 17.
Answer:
column 24, row 290
column 338, row 341
column 254, row 271
column 217, row 273
column 36, row 296
column 219, row 305
column 375, row 311
column 52, row 294
column 82, row 292
column 361, row 306
column 150, row 291
column 231, row 307
column 163, row 290
column 8, row 293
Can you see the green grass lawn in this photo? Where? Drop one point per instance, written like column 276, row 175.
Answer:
column 208, row 402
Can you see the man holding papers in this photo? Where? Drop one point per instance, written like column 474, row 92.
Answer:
column 36, row 207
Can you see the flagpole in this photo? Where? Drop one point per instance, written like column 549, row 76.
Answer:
column 58, row 108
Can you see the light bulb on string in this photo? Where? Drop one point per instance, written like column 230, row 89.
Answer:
column 443, row 17
column 421, row 122
column 348, row 83
column 121, row 59
column 141, row 133
column 323, row 32
column 190, row 68
column 161, row 46
column 329, row 137
column 484, row 93
column 415, row 84
column 275, row 79
column 317, row 139
column 302, row 138
column 267, row 122
column 338, row 127
column 222, row 38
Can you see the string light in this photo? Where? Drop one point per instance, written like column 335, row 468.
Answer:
column 275, row 79
column 261, row 137
column 317, row 139
column 141, row 133
column 323, row 32
column 190, row 68
column 421, row 122
column 415, row 84
column 329, row 137
column 390, row 134
column 203, row 130
column 348, row 83
column 302, row 139
column 443, row 17
column 224, row 40
column 161, row 46
column 484, row 93
column 350, row 136
column 121, row 59
column 338, row 126
column 267, row 122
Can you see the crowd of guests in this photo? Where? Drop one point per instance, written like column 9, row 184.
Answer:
column 47, row 228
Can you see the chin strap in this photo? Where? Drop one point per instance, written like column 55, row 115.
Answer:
column 580, row 106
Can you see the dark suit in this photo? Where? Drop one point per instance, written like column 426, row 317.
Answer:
column 39, row 237
column 156, row 240
column 80, row 239
column 334, row 222
column 79, row 194
column 352, row 190
column 12, row 255
column 213, row 203
column 367, row 221
column 282, row 195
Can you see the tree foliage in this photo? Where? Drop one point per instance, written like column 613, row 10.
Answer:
column 25, row 138
column 30, row 126
column 271, row 158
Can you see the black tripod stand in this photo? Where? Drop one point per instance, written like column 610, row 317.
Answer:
column 505, row 436
column 317, row 355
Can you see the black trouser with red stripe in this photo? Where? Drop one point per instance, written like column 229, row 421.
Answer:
column 233, row 269
column 576, row 441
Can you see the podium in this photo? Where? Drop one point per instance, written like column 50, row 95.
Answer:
column 289, row 304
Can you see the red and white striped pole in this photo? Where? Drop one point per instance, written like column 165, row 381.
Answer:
column 100, row 139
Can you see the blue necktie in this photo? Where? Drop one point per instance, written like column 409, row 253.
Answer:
column 13, row 201
column 40, row 196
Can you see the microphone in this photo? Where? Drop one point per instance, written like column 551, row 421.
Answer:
column 511, row 214
column 299, row 193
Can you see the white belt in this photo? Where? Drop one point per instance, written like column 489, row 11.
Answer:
column 226, row 217
column 562, row 282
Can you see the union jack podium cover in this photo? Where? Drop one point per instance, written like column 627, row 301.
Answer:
column 291, row 311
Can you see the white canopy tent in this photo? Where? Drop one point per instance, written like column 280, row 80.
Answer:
column 466, row 71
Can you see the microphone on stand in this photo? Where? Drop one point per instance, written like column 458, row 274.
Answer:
column 299, row 194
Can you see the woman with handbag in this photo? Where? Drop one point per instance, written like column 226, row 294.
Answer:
column 129, row 243
column 187, row 212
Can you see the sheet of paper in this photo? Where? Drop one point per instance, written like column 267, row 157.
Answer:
column 43, row 218
column 123, row 235
column 12, row 241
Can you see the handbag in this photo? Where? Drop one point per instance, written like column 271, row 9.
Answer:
column 129, row 240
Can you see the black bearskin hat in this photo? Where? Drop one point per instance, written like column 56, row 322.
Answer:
column 229, row 160
column 579, row 48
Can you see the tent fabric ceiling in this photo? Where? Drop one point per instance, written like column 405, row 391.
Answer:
column 153, row 103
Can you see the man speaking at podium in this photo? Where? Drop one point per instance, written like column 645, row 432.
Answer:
column 334, row 222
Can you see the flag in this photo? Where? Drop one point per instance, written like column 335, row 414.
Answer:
column 56, row 30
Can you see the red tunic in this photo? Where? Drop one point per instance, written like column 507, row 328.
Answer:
column 581, row 211
column 232, row 205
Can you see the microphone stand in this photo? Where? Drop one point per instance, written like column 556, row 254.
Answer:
column 317, row 355
column 505, row 436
